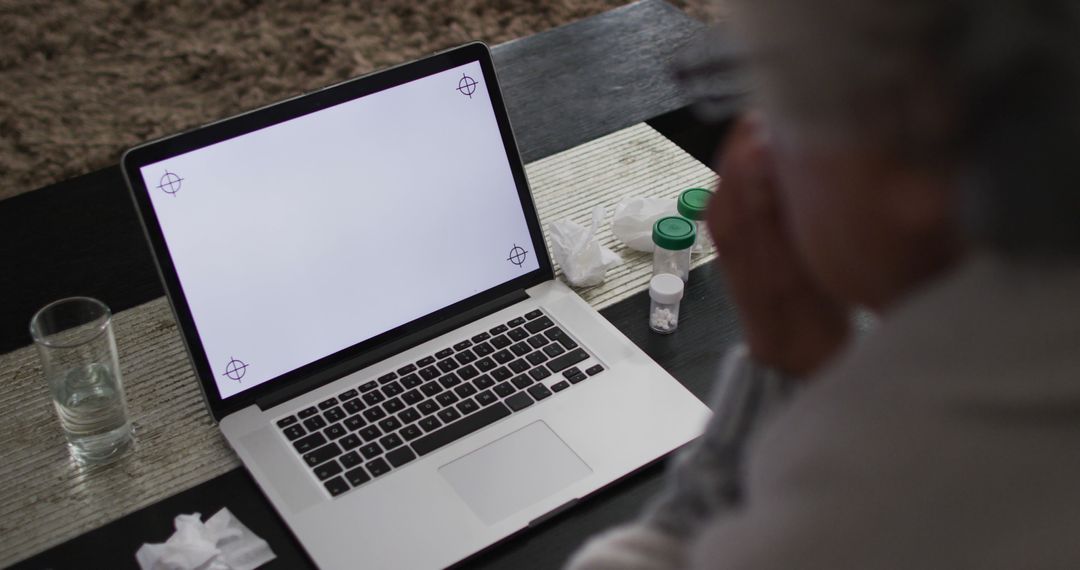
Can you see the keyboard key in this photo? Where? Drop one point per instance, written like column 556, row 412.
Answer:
column 450, row 380
column 536, row 358
column 314, row 423
column 577, row 378
column 336, row 486
column 521, row 349
column 425, row 361
column 571, row 371
column 485, row 398
column 327, row 404
column 373, row 398
column 429, row 373
column 539, row 373
column 483, row 349
column 307, row 412
column 355, row 422
column 451, row 433
column 351, row 441
column 335, row 431
column 465, row 390
column 387, row 377
column 374, row 414
column 407, row 369
column 370, row 450
column 444, row 353
column 393, row 389
column 448, row 364
column 334, row 414
column 294, row 431
column 538, row 325
column 413, row 380
column 350, row 459
column 501, row 373
column 468, row 372
column 516, row 322
column 393, row 405
column 557, row 334
column 391, row 441
column 560, row 386
column 324, row 453
column 448, row 415
column 389, row 425
column 519, row 366
column 400, row 457
column 517, row 335
column 369, row 433
column 409, row 416
column 534, row 314
column 430, row 424
column 519, row 401
column 522, row 381
column 411, row 432
column 480, row 337
column 462, row 345
column 467, row 407
column 538, row 341
column 368, row 386
column 503, row 356
column 554, row 349
column 501, row 341
column 286, row 422
column 446, row 398
column 498, row 330
column 594, row 370
column 505, row 389
column 347, row 395
column 483, row 382
column 327, row 470
column 539, row 391
column 431, row 388
column 485, row 364
column 465, row 357
column 428, row 407
column 557, row 364
column 357, row 476
column 378, row 467
column 412, row 397
column 306, row 444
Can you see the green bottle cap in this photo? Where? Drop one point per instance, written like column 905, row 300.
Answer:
column 692, row 203
column 674, row 233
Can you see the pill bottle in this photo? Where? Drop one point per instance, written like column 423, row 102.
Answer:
column 691, row 205
column 673, row 236
column 665, row 292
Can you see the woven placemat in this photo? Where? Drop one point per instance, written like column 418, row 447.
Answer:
column 46, row 498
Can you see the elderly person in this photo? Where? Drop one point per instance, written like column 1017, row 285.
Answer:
column 919, row 158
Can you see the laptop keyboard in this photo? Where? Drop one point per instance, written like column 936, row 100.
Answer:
column 386, row 422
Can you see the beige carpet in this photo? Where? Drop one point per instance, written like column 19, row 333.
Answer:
column 83, row 80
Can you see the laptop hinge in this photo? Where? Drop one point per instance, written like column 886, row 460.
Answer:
column 298, row 387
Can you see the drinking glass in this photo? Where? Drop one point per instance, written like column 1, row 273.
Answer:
column 74, row 338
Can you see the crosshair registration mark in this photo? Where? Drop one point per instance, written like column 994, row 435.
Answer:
column 235, row 369
column 466, row 85
column 170, row 183
column 517, row 255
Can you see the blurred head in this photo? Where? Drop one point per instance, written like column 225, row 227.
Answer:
column 908, row 132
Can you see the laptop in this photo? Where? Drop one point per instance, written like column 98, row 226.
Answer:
column 363, row 287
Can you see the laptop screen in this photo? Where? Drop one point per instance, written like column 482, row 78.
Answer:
column 299, row 240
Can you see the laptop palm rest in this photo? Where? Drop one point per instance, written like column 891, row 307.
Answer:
column 514, row 472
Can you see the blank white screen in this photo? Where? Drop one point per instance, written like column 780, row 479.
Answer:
column 301, row 239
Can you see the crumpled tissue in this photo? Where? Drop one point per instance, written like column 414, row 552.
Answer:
column 583, row 260
column 634, row 218
column 221, row 543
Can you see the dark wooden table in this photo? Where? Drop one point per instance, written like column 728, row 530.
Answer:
column 563, row 87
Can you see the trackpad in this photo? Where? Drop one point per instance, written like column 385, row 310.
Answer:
column 514, row 472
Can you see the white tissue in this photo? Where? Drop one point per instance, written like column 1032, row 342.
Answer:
column 583, row 260
column 634, row 219
column 221, row 543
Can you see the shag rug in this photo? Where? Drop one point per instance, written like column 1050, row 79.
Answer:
column 82, row 80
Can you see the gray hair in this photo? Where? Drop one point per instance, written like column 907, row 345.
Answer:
column 988, row 88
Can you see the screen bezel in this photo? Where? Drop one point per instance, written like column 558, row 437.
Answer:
column 134, row 159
